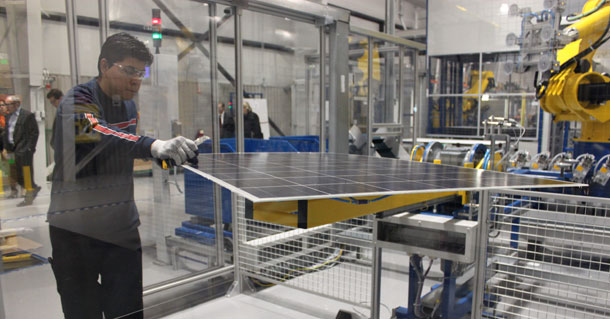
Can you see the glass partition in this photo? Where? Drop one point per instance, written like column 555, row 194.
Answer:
column 280, row 76
column 464, row 90
column 391, row 80
column 103, row 228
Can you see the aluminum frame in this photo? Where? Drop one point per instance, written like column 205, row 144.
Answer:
column 424, row 221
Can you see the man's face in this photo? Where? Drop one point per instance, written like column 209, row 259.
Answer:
column 11, row 107
column 54, row 101
column 221, row 108
column 245, row 110
column 123, row 77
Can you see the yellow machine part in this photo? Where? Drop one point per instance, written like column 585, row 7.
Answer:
column 417, row 154
column 16, row 258
column 327, row 211
column 469, row 103
column 363, row 66
column 561, row 96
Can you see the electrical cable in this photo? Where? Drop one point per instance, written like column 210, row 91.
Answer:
column 417, row 304
column 516, row 143
column 574, row 17
column 313, row 268
column 606, row 158
column 576, row 58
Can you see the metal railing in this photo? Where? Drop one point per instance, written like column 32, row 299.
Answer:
column 333, row 260
column 548, row 256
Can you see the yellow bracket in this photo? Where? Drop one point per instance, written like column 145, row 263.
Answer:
column 317, row 212
column 27, row 178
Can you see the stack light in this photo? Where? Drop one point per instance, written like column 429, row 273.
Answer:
column 156, row 28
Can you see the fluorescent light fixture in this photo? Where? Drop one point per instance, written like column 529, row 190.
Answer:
column 283, row 33
column 461, row 8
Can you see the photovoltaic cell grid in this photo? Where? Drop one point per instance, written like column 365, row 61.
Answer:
column 265, row 177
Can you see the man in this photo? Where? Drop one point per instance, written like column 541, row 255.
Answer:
column 54, row 96
column 20, row 139
column 97, row 254
column 252, row 125
column 227, row 124
column 7, row 159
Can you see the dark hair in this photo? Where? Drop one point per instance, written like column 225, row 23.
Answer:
column 55, row 93
column 121, row 46
column 223, row 105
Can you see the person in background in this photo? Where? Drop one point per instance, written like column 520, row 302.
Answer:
column 20, row 138
column 93, row 218
column 252, row 125
column 7, row 158
column 227, row 122
column 54, row 96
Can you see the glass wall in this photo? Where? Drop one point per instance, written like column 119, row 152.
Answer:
column 94, row 221
column 465, row 90
column 388, row 87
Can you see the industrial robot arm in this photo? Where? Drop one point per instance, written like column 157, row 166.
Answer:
column 566, row 84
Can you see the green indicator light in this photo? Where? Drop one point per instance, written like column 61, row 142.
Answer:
column 157, row 36
column 3, row 61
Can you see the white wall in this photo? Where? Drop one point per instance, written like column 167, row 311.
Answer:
column 460, row 27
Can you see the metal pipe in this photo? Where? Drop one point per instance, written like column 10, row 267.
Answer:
column 376, row 273
column 104, row 22
column 414, row 99
column 369, row 95
column 236, row 287
column 239, row 95
column 481, row 256
column 72, row 41
column 220, row 260
column 401, row 83
column 479, row 104
column 214, row 79
column 204, row 276
column 322, row 89
column 390, row 28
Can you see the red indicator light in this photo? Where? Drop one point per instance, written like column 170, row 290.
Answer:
column 156, row 21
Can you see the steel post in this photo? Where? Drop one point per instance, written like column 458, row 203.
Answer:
column 322, row 89
column 104, row 22
column 239, row 90
column 72, row 42
column 481, row 256
column 369, row 95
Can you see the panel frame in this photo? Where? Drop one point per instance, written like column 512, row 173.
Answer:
column 528, row 181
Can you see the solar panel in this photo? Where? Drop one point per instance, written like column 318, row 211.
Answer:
column 274, row 177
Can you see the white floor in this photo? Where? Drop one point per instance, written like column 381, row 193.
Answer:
column 31, row 292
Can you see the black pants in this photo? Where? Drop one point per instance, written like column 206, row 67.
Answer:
column 21, row 161
column 95, row 277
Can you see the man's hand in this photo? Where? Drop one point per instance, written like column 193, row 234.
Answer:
column 179, row 149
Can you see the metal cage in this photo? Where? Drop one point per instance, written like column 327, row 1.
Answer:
column 548, row 256
column 332, row 260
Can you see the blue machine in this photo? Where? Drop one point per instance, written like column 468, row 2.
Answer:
column 199, row 192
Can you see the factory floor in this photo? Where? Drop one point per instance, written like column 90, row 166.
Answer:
column 30, row 291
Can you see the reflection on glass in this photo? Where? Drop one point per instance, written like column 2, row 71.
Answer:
column 463, row 92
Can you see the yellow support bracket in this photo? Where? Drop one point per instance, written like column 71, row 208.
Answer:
column 317, row 212
column 27, row 178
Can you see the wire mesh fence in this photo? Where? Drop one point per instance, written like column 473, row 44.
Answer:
column 548, row 256
column 332, row 260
